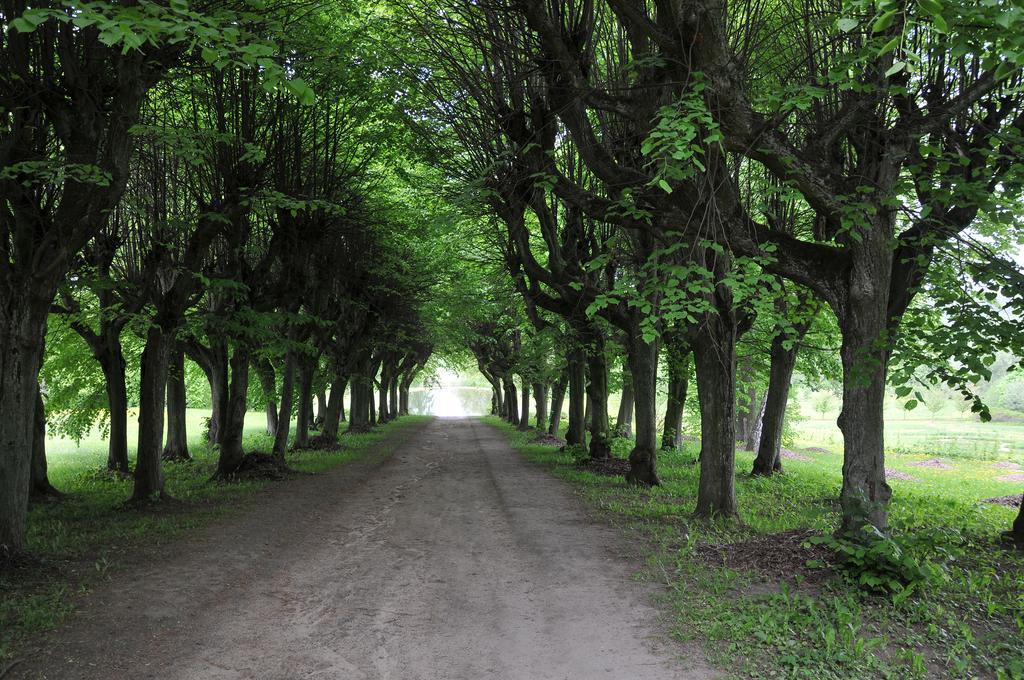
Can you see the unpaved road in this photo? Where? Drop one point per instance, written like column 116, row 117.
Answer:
column 450, row 559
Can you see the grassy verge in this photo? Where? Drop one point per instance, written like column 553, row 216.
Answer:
column 745, row 588
column 89, row 533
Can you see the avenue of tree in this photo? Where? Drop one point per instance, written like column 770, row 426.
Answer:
column 693, row 198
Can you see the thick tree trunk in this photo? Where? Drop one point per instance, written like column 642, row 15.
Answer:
column 268, row 382
column 511, row 401
column 1017, row 531
column 113, row 365
column 866, row 322
column 385, row 381
column 394, row 408
column 783, row 361
column 557, row 400
column 149, row 478
column 371, row 411
column 232, row 426
column 284, row 419
column 624, row 418
column 496, row 401
column 214, row 363
column 597, row 399
column 176, row 447
column 714, row 351
column 40, row 480
column 304, row 419
column 22, row 332
column 332, row 414
column 752, row 419
column 524, row 408
column 865, row 494
column 321, row 410
column 643, row 366
column 403, row 391
column 678, row 362
column 358, row 419
column 540, row 401
column 575, row 434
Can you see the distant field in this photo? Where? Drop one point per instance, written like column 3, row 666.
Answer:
column 943, row 433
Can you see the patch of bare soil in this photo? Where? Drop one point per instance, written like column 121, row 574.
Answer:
column 1018, row 477
column 548, row 440
column 1009, row 501
column 816, row 449
column 1006, row 465
column 774, row 557
column 789, row 454
column 610, row 467
column 902, row 476
column 933, row 463
column 258, row 465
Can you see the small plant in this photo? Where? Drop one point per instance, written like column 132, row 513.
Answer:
column 879, row 563
column 578, row 452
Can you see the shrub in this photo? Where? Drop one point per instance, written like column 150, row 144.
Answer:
column 881, row 563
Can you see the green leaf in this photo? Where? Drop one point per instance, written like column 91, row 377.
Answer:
column 889, row 46
column 22, row 25
column 895, row 68
column 665, row 186
column 883, row 22
column 847, row 24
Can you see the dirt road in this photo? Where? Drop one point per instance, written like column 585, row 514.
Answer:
column 450, row 559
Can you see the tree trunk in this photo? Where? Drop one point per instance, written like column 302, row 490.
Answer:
column 678, row 362
column 714, row 351
column 403, row 391
column 597, row 398
column 371, row 408
column 358, row 421
column 540, row 401
column 214, row 363
column 40, row 481
column 149, row 478
column 284, row 420
column 332, row 414
column 574, row 435
column 783, row 361
column 1017, row 531
column 496, row 401
column 524, row 409
column 865, row 494
column 113, row 365
column 752, row 422
column 557, row 400
column 306, row 368
column 176, row 447
column 643, row 367
column 511, row 401
column 394, row 408
column 321, row 410
column 624, row 419
column 268, row 382
column 22, row 333
column 385, row 380
column 232, row 426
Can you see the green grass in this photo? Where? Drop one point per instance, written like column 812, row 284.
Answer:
column 87, row 534
column 945, row 432
column 967, row 621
